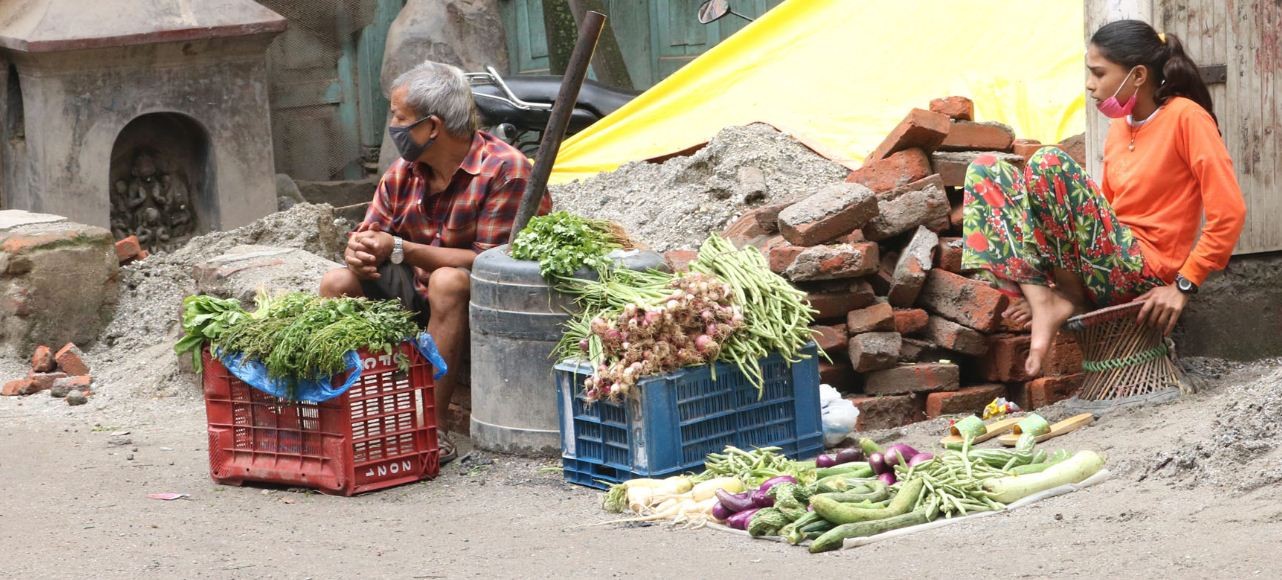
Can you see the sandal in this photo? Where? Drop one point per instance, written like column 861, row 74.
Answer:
column 448, row 452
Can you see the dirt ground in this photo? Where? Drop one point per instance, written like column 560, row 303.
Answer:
column 75, row 482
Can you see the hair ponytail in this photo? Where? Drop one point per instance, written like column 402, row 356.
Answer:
column 1181, row 77
column 1132, row 43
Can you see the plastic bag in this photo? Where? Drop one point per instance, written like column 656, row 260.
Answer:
column 838, row 415
column 254, row 373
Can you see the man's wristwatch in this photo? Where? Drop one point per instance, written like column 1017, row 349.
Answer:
column 398, row 250
column 1184, row 285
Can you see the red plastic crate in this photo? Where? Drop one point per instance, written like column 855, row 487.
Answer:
column 380, row 433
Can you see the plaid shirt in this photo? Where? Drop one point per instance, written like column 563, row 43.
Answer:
column 475, row 211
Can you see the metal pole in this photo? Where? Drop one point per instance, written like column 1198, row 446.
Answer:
column 575, row 71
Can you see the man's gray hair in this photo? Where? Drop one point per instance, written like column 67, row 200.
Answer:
column 434, row 88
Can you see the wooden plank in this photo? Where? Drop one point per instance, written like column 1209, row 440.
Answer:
column 632, row 29
column 1099, row 13
column 1255, row 71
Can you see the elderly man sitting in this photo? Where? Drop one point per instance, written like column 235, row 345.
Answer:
column 452, row 194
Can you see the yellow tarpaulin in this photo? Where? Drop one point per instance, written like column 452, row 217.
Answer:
column 840, row 74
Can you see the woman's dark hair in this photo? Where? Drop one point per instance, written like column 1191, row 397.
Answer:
column 1131, row 43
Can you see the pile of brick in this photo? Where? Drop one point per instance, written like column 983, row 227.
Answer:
column 880, row 256
column 64, row 374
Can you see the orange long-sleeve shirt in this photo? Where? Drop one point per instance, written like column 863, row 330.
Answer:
column 1178, row 171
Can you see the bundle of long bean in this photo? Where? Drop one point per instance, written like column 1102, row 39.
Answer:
column 776, row 315
column 756, row 466
column 955, row 480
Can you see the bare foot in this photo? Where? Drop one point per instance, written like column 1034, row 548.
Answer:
column 1050, row 309
column 1019, row 313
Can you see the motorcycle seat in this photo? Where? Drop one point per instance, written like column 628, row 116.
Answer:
column 594, row 96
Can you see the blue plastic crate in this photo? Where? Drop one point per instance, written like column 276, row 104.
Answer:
column 670, row 423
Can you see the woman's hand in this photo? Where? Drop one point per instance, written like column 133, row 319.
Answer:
column 1162, row 307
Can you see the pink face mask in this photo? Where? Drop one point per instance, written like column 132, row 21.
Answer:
column 1115, row 110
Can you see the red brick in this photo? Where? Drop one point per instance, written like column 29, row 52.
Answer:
column 143, row 255
column 910, row 271
column 956, row 215
column 753, row 225
column 128, row 249
column 16, row 387
column 837, row 375
column 64, row 385
column 1007, row 354
column 833, row 262
column 679, row 260
column 1048, row 390
column 1026, row 147
column 71, row 360
column 915, row 350
column 914, row 378
column 831, row 339
column 920, row 203
column 1005, row 358
column 962, row 401
column 957, row 108
column 44, row 381
column 971, row 136
column 879, row 317
column 951, row 165
column 782, row 256
column 42, row 360
column 872, row 351
column 854, row 237
column 886, row 412
column 1075, row 147
column 967, row 302
column 921, row 129
column 955, row 337
column 830, row 213
column 949, row 255
column 834, row 304
column 897, row 170
column 1064, row 357
column 910, row 320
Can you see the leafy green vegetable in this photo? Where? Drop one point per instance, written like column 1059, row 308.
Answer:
column 206, row 318
column 563, row 243
column 297, row 335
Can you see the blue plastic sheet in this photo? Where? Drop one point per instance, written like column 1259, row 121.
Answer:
column 254, row 373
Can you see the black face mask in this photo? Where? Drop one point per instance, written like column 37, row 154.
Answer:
column 409, row 150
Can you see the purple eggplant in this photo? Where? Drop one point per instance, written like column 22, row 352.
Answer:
column 878, row 463
column 769, row 483
column 721, row 512
column 825, row 461
column 899, row 453
column 735, row 502
column 919, row 459
column 762, row 499
column 740, row 520
column 850, row 454
column 887, row 478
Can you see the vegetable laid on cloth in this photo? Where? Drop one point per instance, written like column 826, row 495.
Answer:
column 844, row 513
column 834, row 538
column 1076, row 469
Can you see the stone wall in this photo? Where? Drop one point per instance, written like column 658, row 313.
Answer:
column 1237, row 314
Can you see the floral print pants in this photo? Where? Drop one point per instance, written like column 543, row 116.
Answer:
column 1018, row 227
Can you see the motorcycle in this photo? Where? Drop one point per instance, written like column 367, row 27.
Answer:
column 516, row 108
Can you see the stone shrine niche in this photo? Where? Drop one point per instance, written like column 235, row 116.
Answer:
column 161, row 181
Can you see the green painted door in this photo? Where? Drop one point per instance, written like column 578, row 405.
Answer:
column 656, row 37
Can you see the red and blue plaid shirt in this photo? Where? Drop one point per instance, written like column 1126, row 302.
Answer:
column 475, row 211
